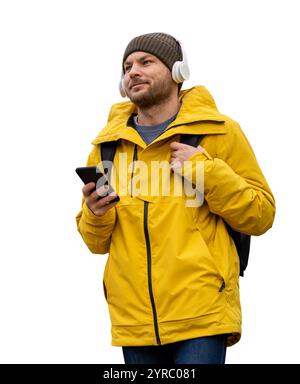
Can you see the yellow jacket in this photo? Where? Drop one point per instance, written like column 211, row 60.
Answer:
column 173, row 271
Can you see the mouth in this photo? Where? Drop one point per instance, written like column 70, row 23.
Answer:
column 136, row 85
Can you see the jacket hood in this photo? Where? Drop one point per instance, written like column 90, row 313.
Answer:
column 197, row 105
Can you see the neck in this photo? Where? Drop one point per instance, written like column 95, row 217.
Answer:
column 158, row 113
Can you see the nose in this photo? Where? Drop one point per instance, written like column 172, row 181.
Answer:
column 134, row 71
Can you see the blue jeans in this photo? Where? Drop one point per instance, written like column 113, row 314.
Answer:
column 201, row 350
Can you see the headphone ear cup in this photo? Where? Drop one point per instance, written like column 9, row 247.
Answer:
column 180, row 72
column 175, row 72
column 180, row 69
column 122, row 88
column 184, row 70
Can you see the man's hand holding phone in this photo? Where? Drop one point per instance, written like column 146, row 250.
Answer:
column 104, row 198
column 98, row 206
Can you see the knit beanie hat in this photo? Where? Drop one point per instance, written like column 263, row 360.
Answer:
column 161, row 45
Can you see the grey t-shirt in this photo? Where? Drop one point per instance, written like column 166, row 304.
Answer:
column 150, row 132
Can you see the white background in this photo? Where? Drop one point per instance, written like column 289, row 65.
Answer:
column 60, row 66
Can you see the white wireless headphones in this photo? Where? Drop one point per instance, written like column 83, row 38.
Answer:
column 180, row 69
column 180, row 72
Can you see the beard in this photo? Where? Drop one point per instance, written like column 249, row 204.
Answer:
column 157, row 93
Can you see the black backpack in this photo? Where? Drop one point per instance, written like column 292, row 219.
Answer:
column 241, row 240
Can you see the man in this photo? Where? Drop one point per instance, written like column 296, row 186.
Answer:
column 171, row 280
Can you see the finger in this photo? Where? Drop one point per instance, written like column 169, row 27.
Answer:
column 87, row 189
column 101, row 191
column 179, row 155
column 176, row 152
column 179, row 146
column 103, row 210
column 175, row 145
column 176, row 164
column 94, row 196
column 105, row 200
column 201, row 148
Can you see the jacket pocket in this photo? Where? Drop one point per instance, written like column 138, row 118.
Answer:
column 209, row 262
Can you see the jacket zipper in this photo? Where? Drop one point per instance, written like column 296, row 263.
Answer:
column 148, row 254
column 134, row 159
column 146, row 203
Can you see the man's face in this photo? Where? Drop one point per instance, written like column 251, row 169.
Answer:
column 147, row 80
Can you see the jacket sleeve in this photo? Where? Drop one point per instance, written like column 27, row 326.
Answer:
column 234, row 186
column 95, row 230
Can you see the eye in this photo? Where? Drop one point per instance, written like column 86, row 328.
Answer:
column 127, row 68
column 147, row 61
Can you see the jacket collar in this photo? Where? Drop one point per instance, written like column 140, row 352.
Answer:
column 197, row 106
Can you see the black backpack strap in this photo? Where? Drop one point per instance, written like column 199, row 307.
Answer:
column 242, row 244
column 192, row 140
column 107, row 152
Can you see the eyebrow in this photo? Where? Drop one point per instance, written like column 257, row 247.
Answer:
column 140, row 59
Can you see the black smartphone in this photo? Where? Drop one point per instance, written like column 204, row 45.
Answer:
column 92, row 174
